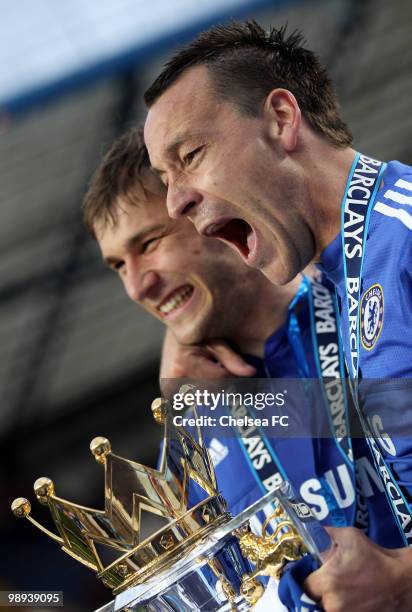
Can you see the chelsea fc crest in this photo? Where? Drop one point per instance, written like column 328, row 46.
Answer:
column 371, row 319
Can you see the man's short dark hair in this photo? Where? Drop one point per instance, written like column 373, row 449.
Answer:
column 120, row 175
column 245, row 63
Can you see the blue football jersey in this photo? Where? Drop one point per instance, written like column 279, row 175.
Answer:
column 385, row 320
column 315, row 467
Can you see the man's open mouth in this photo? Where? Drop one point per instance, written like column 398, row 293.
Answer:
column 235, row 232
column 175, row 299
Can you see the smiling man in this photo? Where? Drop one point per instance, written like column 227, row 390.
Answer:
column 244, row 129
column 164, row 264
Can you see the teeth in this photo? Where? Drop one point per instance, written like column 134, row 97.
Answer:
column 176, row 300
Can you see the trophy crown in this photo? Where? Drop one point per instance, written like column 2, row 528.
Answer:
column 182, row 492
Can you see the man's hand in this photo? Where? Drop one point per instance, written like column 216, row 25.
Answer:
column 361, row 576
column 213, row 360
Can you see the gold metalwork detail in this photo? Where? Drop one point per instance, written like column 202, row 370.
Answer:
column 132, row 490
column 251, row 589
column 123, row 569
column 159, row 410
column 44, row 489
column 270, row 552
column 167, row 541
column 100, row 447
column 228, row 591
column 227, row 588
column 21, row 507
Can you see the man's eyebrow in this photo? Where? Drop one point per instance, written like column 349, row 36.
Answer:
column 182, row 139
column 176, row 143
column 132, row 241
column 173, row 146
column 169, row 151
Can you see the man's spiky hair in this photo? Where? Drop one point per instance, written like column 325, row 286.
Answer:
column 245, row 63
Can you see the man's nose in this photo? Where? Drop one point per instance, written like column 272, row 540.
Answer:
column 182, row 202
column 139, row 285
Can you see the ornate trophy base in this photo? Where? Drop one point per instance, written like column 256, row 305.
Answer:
column 220, row 572
column 202, row 559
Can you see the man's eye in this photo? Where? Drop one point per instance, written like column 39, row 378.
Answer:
column 189, row 157
column 149, row 244
column 118, row 266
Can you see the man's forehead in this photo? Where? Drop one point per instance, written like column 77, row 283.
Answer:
column 181, row 110
column 141, row 213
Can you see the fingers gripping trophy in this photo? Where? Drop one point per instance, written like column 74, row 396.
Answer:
column 202, row 558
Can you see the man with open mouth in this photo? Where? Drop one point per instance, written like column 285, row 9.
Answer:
column 172, row 271
column 244, row 130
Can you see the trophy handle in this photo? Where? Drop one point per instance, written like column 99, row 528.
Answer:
column 270, row 552
column 286, row 535
column 315, row 537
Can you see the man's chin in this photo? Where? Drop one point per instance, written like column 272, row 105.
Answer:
column 281, row 274
column 192, row 337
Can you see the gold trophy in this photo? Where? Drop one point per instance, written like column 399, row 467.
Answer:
column 200, row 558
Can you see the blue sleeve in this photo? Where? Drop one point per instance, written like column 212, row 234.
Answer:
column 291, row 592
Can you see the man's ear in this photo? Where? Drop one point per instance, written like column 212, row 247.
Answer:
column 283, row 117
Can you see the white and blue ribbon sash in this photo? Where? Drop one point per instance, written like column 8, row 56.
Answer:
column 330, row 364
column 271, row 473
column 357, row 204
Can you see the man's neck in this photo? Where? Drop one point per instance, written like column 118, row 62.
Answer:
column 328, row 168
column 266, row 317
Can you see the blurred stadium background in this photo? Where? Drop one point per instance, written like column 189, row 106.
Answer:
column 77, row 359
